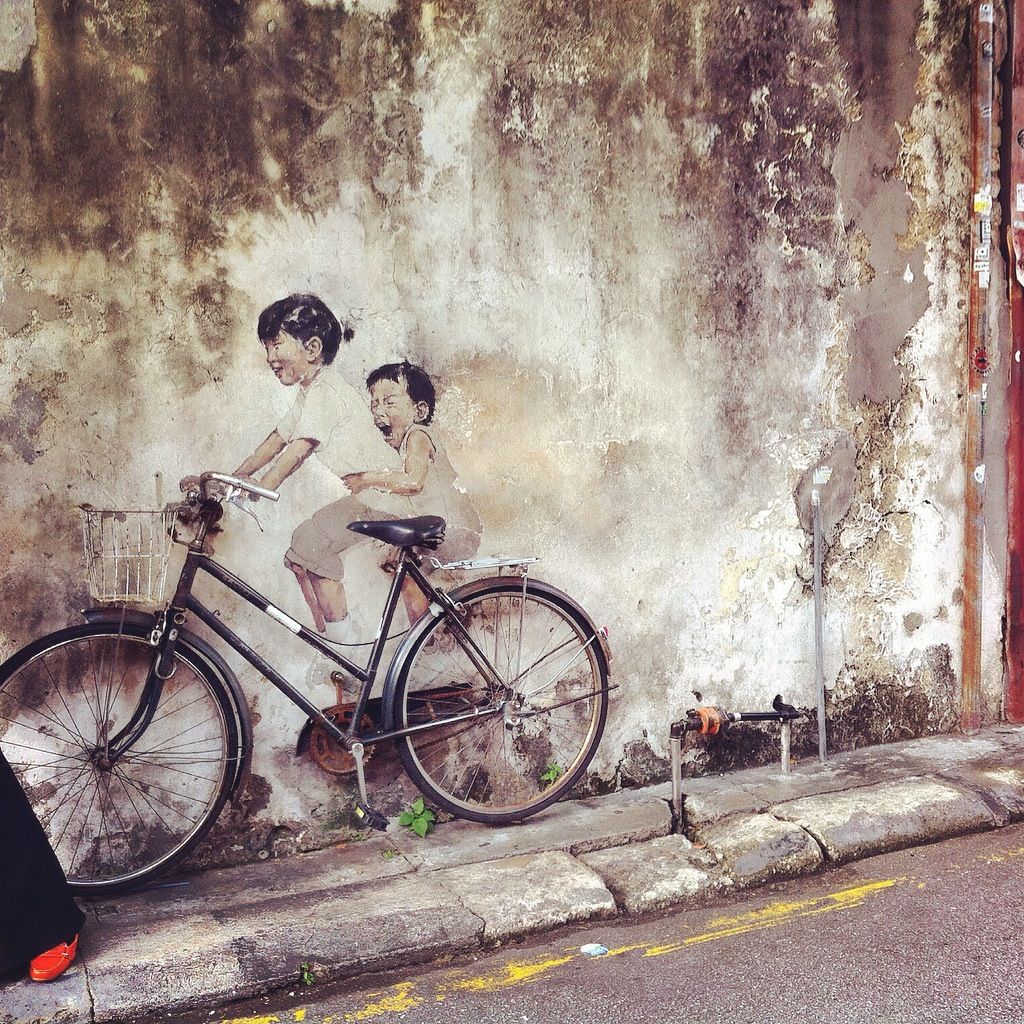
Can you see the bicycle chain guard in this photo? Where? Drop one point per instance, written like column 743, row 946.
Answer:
column 328, row 753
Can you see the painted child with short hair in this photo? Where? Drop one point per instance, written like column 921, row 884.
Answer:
column 402, row 399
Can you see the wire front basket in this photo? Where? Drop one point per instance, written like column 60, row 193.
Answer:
column 126, row 553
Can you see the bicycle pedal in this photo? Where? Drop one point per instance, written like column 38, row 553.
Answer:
column 369, row 818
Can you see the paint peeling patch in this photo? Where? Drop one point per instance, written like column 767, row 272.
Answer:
column 19, row 429
column 20, row 306
column 376, row 8
column 17, row 33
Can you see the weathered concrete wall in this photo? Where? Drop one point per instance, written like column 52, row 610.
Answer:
column 662, row 259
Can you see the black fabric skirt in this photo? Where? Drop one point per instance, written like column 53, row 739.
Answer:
column 36, row 908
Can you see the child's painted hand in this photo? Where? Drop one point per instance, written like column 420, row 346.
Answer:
column 355, row 482
column 248, row 495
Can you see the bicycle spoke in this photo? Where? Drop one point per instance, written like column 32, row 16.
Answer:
column 579, row 654
column 179, row 771
column 168, row 714
column 96, row 672
column 42, row 750
column 52, row 717
column 81, row 835
column 145, row 796
column 183, row 732
column 120, row 778
column 71, row 715
column 47, row 821
column 85, row 786
column 149, row 787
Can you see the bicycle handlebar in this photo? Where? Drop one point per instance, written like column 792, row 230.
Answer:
column 234, row 481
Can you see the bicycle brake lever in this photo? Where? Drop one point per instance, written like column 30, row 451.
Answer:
column 248, row 511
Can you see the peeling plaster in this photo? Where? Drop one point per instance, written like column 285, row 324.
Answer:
column 19, row 428
column 886, row 298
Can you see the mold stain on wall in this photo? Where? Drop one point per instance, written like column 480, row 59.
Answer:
column 657, row 256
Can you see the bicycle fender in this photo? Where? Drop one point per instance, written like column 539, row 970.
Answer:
column 214, row 662
column 462, row 593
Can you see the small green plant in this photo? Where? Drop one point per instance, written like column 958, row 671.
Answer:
column 306, row 974
column 419, row 818
column 389, row 853
column 551, row 774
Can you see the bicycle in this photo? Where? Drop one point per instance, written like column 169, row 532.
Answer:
column 130, row 732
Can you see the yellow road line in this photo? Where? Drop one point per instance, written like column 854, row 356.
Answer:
column 998, row 858
column 509, row 975
column 404, row 995
column 778, row 913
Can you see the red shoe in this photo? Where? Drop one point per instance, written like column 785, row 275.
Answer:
column 54, row 962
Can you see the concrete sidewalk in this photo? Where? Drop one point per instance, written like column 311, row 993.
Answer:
column 396, row 900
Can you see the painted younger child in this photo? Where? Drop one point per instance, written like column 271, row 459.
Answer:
column 329, row 419
column 402, row 400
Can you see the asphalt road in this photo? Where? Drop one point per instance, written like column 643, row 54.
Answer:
column 931, row 934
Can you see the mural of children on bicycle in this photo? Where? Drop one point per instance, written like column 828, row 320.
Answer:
column 383, row 450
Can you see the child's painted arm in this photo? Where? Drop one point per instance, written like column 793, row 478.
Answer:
column 293, row 455
column 272, row 446
column 418, row 451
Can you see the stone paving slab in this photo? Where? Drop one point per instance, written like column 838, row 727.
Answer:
column 577, row 826
column 518, row 895
column 888, row 816
column 758, row 848
column 178, row 964
column 64, row 1001
column 1001, row 785
column 653, row 875
column 408, row 920
column 352, row 864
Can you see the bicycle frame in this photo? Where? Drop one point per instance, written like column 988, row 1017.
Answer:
column 165, row 636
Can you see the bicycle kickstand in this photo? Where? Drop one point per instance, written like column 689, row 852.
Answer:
column 363, row 812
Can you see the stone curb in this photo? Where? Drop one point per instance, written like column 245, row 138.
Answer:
column 877, row 819
column 391, row 903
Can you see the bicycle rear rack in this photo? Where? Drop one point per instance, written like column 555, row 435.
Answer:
column 709, row 721
column 497, row 562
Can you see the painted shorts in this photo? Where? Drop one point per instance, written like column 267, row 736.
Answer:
column 319, row 542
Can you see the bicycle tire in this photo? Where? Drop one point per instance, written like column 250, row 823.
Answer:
column 116, row 827
column 503, row 767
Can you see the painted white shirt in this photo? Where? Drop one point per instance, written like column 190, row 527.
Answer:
column 337, row 417
column 334, row 415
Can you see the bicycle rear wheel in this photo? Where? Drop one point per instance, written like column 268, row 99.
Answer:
column 116, row 824
column 540, row 722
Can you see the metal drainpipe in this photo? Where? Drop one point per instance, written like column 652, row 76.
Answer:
column 983, row 115
column 820, row 478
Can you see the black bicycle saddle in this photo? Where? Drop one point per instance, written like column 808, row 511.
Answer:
column 421, row 531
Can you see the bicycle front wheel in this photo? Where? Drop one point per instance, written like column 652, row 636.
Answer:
column 540, row 715
column 116, row 823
